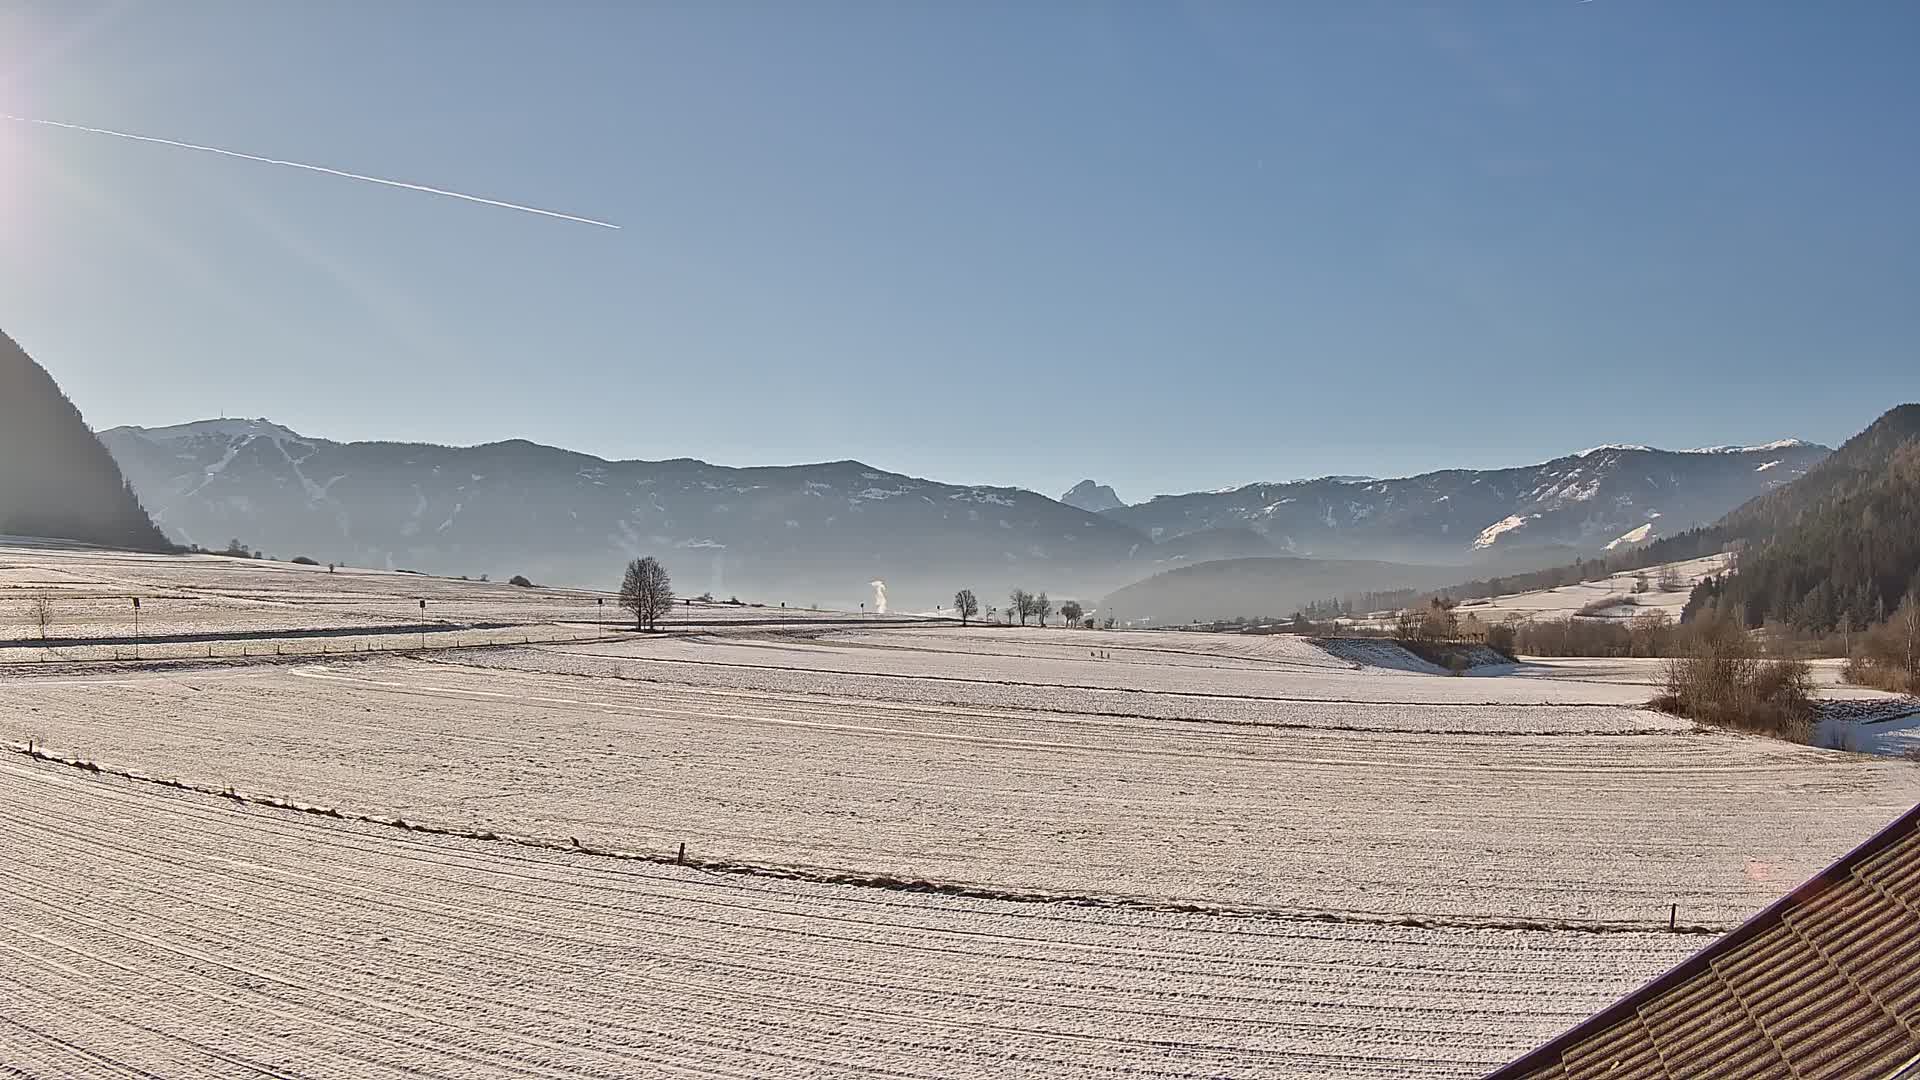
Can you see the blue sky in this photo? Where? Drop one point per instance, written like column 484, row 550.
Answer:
column 1167, row 246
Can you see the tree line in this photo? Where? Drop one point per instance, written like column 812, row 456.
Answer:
column 1021, row 605
column 1843, row 566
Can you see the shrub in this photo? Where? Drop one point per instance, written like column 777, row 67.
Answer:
column 1503, row 639
column 1889, row 654
column 1721, row 680
column 1435, row 622
column 1862, row 671
column 1606, row 603
column 304, row 561
column 1572, row 637
column 1650, row 633
column 520, row 580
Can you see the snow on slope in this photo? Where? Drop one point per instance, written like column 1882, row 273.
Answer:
column 1777, row 444
column 1492, row 533
column 1635, row 536
column 1567, row 600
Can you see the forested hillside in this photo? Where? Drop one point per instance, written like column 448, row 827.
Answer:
column 1838, row 549
column 56, row 480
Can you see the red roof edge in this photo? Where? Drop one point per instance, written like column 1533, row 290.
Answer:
column 1698, row 962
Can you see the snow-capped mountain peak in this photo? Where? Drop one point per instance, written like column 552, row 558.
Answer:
column 1777, row 444
column 1592, row 450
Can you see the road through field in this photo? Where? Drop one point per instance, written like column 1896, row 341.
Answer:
column 159, row 933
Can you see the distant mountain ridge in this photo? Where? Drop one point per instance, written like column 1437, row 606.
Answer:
column 800, row 533
column 822, row 531
column 56, row 479
column 1605, row 495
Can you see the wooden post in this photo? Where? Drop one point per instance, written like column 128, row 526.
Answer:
column 681, row 859
column 1673, row 915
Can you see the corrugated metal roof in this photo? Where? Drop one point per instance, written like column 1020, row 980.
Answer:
column 1822, row 985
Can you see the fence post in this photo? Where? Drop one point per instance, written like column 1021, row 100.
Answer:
column 1673, row 915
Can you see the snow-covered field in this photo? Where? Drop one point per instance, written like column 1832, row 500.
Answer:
column 1151, row 854
column 1567, row 600
column 162, row 934
column 89, row 597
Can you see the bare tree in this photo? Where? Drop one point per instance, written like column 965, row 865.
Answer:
column 1019, row 602
column 1891, row 650
column 1071, row 611
column 1669, row 579
column 1649, row 634
column 1440, row 622
column 40, row 610
column 646, row 591
column 1042, row 607
column 1907, row 621
column 966, row 604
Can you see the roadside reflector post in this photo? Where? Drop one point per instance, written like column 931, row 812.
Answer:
column 1673, row 915
column 681, row 859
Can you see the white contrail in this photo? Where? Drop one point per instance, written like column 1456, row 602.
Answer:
column 315, row 168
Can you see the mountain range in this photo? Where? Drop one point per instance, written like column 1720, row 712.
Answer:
column 821, row 532
column 800, row 533
column 1598, row 499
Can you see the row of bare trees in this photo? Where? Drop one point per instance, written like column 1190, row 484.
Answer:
column 1021, row 604
column 1025, row 605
